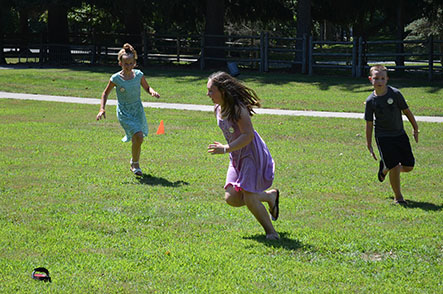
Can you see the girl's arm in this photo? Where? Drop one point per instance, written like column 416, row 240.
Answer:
column 148, row 89
column 369, row 128
column 246, row 137
column 413, row 122
column 105, row 95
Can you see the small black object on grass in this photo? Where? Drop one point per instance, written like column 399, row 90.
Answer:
column 41, row 274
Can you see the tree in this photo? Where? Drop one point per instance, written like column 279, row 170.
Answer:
column 214, row 25
column 403, row 11
column 429, row 25
column 304, row 25
column 58, row 38
column 4, row 21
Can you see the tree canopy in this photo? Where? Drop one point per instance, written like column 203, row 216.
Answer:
column 368, row 19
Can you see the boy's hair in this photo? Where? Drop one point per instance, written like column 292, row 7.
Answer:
column 235, row 95
column 127, row 50
column 377, row 67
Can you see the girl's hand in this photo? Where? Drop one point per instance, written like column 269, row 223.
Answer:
column 217, row 148
column 101, row 113
column 155, row 94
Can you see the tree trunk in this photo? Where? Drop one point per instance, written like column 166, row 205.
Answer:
column 4, row 8
column 215, row 22
column 24, row 31
column 2, row 55
column 304, row 25
column 400, row 60
column 133, row 27
column 441, row 47
column 59, row 50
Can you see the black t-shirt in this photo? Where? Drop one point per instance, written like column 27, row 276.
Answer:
column 387, row 111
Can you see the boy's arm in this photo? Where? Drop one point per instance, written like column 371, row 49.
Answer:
column 369, row 128
column 413, row 122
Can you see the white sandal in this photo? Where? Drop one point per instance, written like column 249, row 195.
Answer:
column 137, row 171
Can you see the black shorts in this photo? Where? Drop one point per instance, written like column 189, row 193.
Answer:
column 395, row 151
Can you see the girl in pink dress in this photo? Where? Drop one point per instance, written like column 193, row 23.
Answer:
column 251, row 167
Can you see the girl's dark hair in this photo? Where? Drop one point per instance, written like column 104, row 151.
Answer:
column 235, row 95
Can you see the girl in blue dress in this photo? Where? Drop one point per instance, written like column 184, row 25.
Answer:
column 130, row 112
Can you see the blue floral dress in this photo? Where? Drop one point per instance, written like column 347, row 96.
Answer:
column 130, row 111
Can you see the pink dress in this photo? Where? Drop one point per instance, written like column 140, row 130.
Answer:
column 250, row 168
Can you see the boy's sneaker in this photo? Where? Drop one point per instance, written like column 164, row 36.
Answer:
column 381, row 175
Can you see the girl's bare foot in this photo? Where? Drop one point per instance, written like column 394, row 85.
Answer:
column 274, row 210
column 273, row 236
column 400, row 201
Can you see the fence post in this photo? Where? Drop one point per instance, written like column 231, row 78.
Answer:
column 354, row 58
column 266, row 51
column 40, row 55
column 93, row 49
column 310, row 61
column 360, row 57
column 178, row 48
column 2, row 54
column 431, row 56
column 145, row 48
column 304, row 54
column 202, row 52
column 262, row 52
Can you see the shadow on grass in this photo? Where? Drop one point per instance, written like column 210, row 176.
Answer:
column 284, row 242
column 422, row 205
column 324, row 80
column 156, row 181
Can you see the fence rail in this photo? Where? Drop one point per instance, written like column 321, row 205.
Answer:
column 262, row 52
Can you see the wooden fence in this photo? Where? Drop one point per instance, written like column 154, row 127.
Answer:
column 262, row 52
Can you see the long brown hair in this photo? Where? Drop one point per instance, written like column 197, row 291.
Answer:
column 235, row 95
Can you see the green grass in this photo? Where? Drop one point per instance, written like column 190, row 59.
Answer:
column 69, row 203
column 277, row 90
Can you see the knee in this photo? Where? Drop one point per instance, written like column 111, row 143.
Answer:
column 229, row 199
column 233, row 199
column 138, row 138
column 407, row 169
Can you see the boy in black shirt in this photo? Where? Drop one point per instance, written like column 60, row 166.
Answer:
column 387, row 104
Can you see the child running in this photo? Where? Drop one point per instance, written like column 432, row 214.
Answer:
column 130, row 112
column 251, row 167
column 387, row 104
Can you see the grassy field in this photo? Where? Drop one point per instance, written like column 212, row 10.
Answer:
column 69, row 202
column 277, row 90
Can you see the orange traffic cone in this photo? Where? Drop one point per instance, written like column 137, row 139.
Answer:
column 161, row 128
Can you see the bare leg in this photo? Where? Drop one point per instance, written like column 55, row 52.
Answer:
column 253, row 202
column 233, row 197
column 137, row 140
column 394, row 179
column 236, row 199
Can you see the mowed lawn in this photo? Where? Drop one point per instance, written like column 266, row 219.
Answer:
column 277, row 90
column 69, row 203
